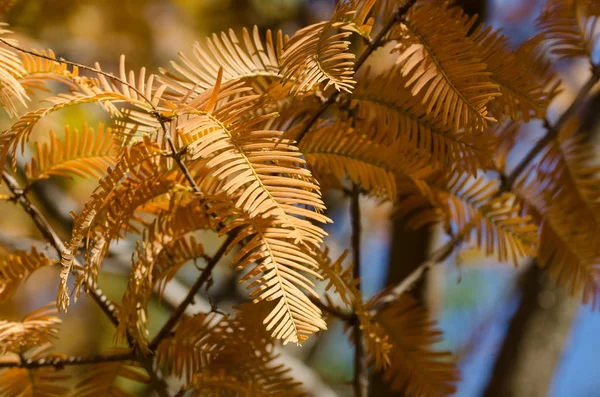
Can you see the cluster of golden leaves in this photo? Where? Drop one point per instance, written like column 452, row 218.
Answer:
column 425, row 135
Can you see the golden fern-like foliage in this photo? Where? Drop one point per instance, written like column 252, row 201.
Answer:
column 317, row 54
column 569, row 28
column 39, row 71
column 455, row 89
column 525, row 94
column 140, row 155
column 264, row 174
column 337, row 150
column 278, row 273
column 102, row 379
column 11, row 90
column 37, row 328
column 15, row 269
column 416, row 369
column 212, row 347
column 562, row 192
column 255, row 62
column 391, row 111
column 21, row 130
column 243, row 136
column 474, row 209
column 37, row 382
column 85, row 154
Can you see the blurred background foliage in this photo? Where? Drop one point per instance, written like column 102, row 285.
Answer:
column 472, row 297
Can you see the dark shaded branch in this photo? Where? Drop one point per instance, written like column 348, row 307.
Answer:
column 347, row 317
column 59, row 363
column 361, row 365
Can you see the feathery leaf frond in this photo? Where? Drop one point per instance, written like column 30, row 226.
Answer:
column 456, row 89
column 11, row 68
column 256, row 63
column 562, row 192
column 524, row 93
column 474, row 210
column 278, row 274
column 416, row 368
column 37, row 328
column 140, row 155
column 568, row 31
column 15, row 269
column 102, row 379
column 317, row 54
column 85, row 154
column 393, row 113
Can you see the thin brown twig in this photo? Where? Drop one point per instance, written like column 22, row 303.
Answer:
column 374, row 44
column 347, row 317
column 203, row 278
column 361, row 364
column 60, row 362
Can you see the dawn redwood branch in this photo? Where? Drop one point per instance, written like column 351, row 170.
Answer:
column 154, row 113
column 202, row 279
column 95, row 293
column 361, row 364
column 441, row 253
column 61, row 362
column 374, row 44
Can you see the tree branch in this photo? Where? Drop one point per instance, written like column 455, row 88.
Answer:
column 60, row 363
column 95, row 293
column 347, row 317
